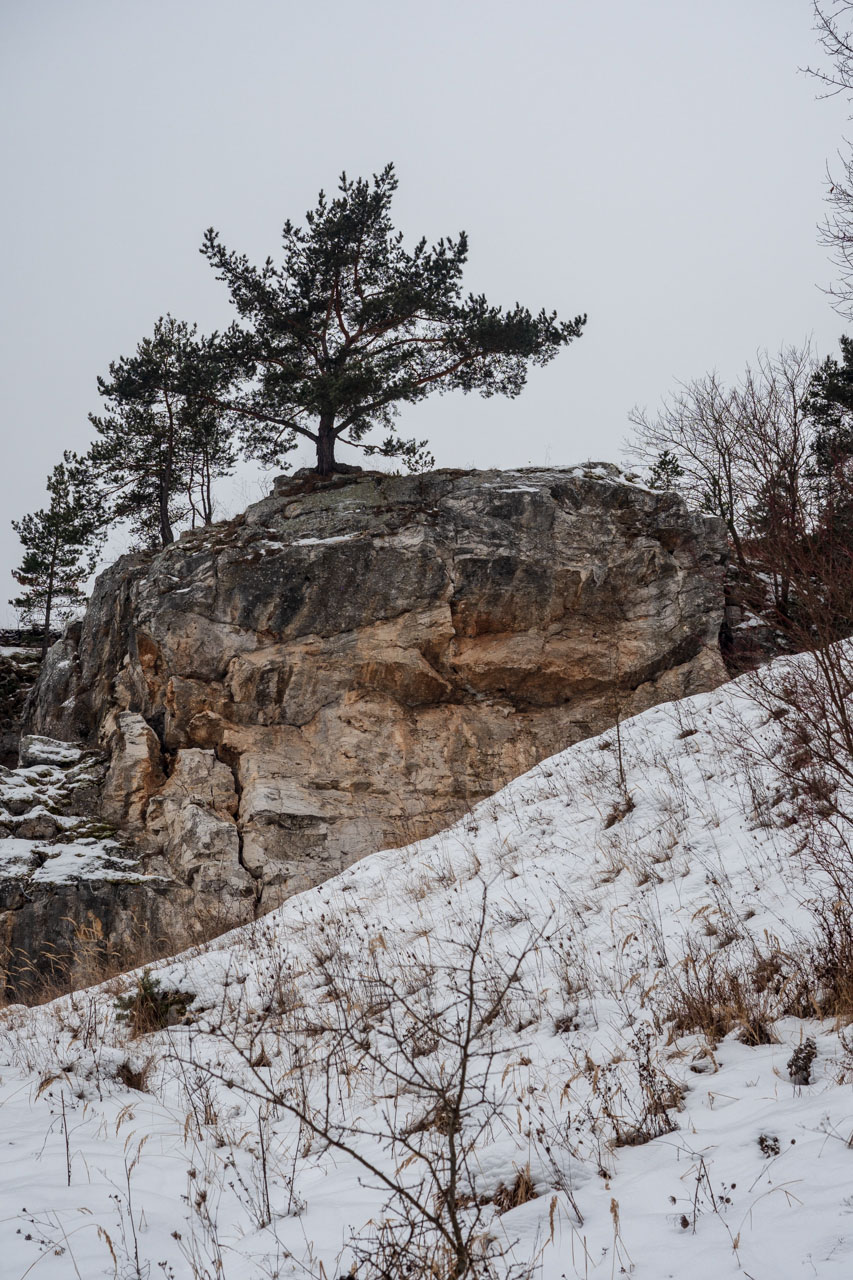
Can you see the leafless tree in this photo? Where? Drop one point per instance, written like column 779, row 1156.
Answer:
column 833, row 24
column 744, row 451
column 699, row 425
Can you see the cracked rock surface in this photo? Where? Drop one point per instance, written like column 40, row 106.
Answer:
column 71, row 884
column 350, row 664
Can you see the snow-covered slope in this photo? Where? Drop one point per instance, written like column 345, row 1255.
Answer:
column 543, row 946
column 47, row 832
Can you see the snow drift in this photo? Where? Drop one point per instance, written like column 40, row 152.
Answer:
column 561, row 1033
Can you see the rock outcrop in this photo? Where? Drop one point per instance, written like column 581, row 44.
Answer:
column 76, row 900
column 350, row 664
column 19, row 668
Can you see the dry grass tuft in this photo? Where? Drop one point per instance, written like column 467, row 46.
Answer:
column 136, row 1077
column 620, row 810
column 519, row 1192
column 712, row 993
column 91, row 960
column 149, row 1007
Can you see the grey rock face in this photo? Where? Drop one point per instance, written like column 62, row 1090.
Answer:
column 192, row 818
column 350, row 664
column 74, row 893
column 18, row 672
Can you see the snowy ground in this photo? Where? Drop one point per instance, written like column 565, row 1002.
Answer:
column 555, row 920
column 45, row 835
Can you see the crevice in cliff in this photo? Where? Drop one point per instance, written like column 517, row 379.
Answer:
column 157, row 724
column 231, row 760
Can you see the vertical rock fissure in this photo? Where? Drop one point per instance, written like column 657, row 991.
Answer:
column 234, row 766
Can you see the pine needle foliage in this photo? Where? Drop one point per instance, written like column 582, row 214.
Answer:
column 666, row 471
column 162, row 442
column 150, row 1007
column 61, row 544
column 352, row 325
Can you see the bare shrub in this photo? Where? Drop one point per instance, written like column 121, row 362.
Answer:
column 826, row 964
column 633, row 1098
column 809, row 703
column 404, row 1077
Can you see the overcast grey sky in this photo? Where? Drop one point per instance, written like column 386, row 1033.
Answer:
column 658, row 164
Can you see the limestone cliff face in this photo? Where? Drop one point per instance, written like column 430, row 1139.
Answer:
column 349, row 665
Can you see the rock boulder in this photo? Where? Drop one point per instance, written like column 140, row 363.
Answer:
column 352, row 663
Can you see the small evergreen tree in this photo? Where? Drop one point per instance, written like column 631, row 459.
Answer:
column 352, row 325
column 666, row 471
column 830, row 408
column 61, row 545
column 162, row 442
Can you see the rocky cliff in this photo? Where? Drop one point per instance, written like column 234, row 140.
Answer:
column 349, row 665
column 77, row 901
column 18, row 671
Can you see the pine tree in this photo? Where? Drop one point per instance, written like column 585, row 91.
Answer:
column 162, row 444
column 830, row 408
column 61, row 545
column 666, row 472
column 352, row 325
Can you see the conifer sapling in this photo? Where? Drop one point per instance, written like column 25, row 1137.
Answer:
column 61, row 545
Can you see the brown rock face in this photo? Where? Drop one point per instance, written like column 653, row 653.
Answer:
column 349, row 665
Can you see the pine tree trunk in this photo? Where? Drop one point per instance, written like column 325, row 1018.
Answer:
column 48, row 603
column 326, row 447
column 166, row 534
column 207, row 498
